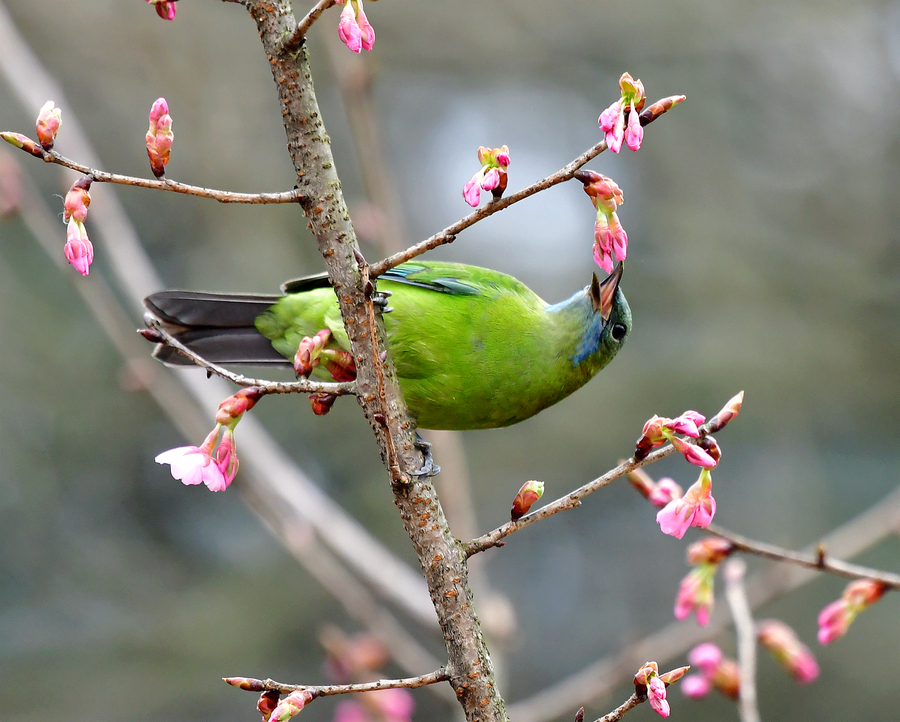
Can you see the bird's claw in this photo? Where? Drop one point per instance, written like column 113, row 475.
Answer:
column 429, row 468
column 380, row 301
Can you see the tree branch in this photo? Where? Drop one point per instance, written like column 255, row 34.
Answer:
column 164, row 184
column 816, row 560
column 326, row 690
column 304, row 386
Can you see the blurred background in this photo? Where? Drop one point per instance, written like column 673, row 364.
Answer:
column 762, row 215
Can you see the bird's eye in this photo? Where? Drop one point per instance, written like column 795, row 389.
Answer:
column 619, row 331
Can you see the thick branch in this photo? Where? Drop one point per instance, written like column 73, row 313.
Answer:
column 469, row 668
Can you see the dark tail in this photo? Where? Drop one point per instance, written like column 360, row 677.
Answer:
column 219, row 327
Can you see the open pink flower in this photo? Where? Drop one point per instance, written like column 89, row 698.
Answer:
column 194, row 465
column 696, row 508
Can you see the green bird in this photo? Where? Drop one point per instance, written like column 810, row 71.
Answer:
column 473, row 348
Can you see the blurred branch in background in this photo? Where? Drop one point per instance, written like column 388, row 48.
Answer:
column 745, row 628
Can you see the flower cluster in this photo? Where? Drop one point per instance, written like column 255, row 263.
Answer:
column 716, row 670
column 79, row 250
column 612, row 120
column 354, row 28
column 837, row 617
column 207, row 464
column 610, row 239
column 648, row 681
column 47, row 126
column 784, row 645
column 159, row 137
column 164, row 8
column 491, row 177
column 658, row 430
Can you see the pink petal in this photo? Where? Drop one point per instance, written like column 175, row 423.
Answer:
column 675, row 518
column 348, row 28
column 491, row 179
column 472, row 190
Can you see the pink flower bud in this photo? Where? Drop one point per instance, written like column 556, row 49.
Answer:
column 472, row 190
column 164, row 8
column 235, row 406
column 634, row 133
column 784, row 645
column 159, row 137
column 291, row 705
column 23, row 142
column 686, row 424
column 695, row 686
column 79, row 250
column 367, row 32
column 728, row 412
column 348, row 28
column 530, row 492
column 706, row 657
column 78, row 200
column 491, row 179
column 695, row 594
column 693, row 453
column 656, row 695
column 48, row 121
column 321, row 402
column 309, row 352
column 666, row 490
column 249, row 684
column 711, row 550
column 267, row 704
column 632, row 90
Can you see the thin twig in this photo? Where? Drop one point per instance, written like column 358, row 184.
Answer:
column 816, row 560
column 325, row 690
column 734, row 572
column 633, row 701
column 569, row 501
column 448, row 235
column 304, row 386
column 299, row 34
column 99, row 176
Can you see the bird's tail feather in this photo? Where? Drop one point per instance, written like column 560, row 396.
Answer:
column 219, row 327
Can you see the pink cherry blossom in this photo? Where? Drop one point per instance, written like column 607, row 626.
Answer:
column 192, row 465
column 79, row 250
column 164, row 8
column 695, row 686
column 656, row 695
column 696, row 508
column 348, row 28
column 707, row 657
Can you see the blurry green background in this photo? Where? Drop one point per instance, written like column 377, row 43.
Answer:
column 763, row 216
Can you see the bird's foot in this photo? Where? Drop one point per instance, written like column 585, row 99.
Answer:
column 380, row 301
column 429, row 468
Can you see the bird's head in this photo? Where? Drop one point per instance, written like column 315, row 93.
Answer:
column 609, row 302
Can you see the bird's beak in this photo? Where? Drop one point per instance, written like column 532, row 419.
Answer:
column 604, row 293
